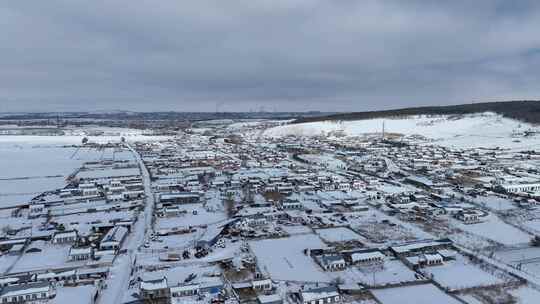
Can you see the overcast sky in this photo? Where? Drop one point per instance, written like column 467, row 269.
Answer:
column 241, row 55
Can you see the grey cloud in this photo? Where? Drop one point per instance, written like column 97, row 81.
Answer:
column 283, row 54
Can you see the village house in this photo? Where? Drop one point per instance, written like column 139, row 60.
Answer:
column 37, row 210
column 420, row 246
column 262, row 284
column 114, row 238
column 518, row 186
column 321, row 295
column 256, row 220
column 178, row 198
column 424, row 260
column 129, row 195
column 343, row 186
column 185, row 290
column 370, row 256
column 468, row 216
column 88, row 190
column 430, row 259
column 80, row 254
column 65, row 237
column 155, row 291
column 291, row 205
column 331, row 262
column 39, row 291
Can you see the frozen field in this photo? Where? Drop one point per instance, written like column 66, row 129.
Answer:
column 392, row 272
column 461, row 274
column 29, row 169
column 339, row 234
column 495, row 229
column 495, row 203
column 34, row 164
column 75, row 136
column 108, row 172
column 417, row 294
column 528, row 258
column 284, row 259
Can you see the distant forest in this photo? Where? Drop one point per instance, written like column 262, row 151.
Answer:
column 523, row 110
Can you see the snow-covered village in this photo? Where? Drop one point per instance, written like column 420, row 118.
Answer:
column 270, row 152
column 412, row 209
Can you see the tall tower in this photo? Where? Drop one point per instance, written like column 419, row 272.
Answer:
column 383, row 130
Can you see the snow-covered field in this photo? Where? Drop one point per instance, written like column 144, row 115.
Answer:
column 34, row 164
column 338, row 234
column 473, row 130
column 284, row 259
column 416, row 294
column 80, row 294
column 393, row 271
column 533, row 224
column 461, row 274
column 29, row 169
column 75, row 136
column 495, row 229
column 527, row 257
column 526, row 295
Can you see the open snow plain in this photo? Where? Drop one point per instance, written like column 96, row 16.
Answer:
column 30, row 169
column 31, row 165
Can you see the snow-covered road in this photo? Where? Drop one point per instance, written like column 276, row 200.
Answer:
column 118, row 281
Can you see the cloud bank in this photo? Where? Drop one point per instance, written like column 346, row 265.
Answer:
column 241, row 55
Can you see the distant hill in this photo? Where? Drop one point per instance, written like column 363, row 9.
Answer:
column 524, row 110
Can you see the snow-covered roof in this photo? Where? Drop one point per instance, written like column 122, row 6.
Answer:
column 319, row 293
column 359, row 256
column 20, row 290
column 154, row 284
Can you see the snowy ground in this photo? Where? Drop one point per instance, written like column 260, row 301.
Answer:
column 495, row 229
column 195, row 215
column 533, row 224
column 393, row 271
column 284, row 259
column 51, row 256
column 461, row 274
column 526, row 295
column 417, row 294
column 495, row 203
column 79, row 294
column 34, row 164
column 340, row 234
column 29, row 169
column 474, row 130
column 527, row 257
column 75, row 136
